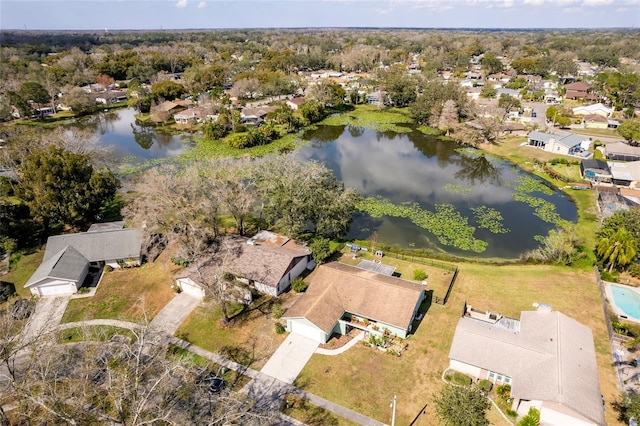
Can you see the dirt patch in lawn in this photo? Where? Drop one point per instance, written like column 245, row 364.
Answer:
column 415, row 377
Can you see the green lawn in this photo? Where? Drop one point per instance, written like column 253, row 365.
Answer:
column 22, row 271
column 311, row 414
column 416, row 376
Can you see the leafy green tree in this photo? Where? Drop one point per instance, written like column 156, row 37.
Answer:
column 628, row 407
column 433, row 99
column 400, row 87
column 630, row 130
column 488, row 91
column 531, row 419
column 301, row 197
column 628, row 219
column 312, row 111
column 167, row 90
column 462, row 406
column 320, row 249
column 491, row 64
column 62, row 188
column 552, row 113
column 618, row 249
column 563, row 121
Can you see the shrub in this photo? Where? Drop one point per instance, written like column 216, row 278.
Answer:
column 504, row 391
column 108, row 268
column 609, row 276
column 228, row 276
column 461, row 379
column 180, row 261
column 277, row 310
column 485, row 385
column 634, row 270
column 84, row 290
column 419, row 275
column 279, row 328
column 298, row 285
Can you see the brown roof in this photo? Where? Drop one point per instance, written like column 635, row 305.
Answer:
column 595, row 117
column 257, row 112
column 552, row 358
column 298, row 100
column 336, row 288
column 262, row 263
column 577, row 86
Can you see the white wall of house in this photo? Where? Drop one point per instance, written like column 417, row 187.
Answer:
column 299, row 268
column 190, row 287
column 56, row 287
column 556, row 148
column 265, row 288
column 304, row 327
column 465, row 368
column 133, row 261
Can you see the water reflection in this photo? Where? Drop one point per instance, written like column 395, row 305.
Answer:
column 128, row 139
column 413, row 167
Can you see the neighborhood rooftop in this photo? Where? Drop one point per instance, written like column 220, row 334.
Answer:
column 337, row 288
column 67, row 264
column 98, row 246
column 552, row 358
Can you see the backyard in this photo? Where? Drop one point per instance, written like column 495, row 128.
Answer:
column 416, row 376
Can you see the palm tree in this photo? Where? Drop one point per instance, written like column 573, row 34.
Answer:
column 620, row 248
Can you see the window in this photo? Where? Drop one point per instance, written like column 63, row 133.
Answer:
column 492, row 375
column 507, row 380
column 500, row 377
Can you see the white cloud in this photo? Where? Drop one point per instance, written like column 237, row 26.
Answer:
column 202, row 4
column 534, row 2
column 597, row 2
column 181, row 3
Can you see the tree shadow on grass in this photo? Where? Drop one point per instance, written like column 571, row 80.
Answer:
column 240, row 355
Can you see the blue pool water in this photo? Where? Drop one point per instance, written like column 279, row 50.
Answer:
column 627, row 300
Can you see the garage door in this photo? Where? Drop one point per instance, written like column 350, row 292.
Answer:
column 191, row 289
column 55, row 290
column 308, row 331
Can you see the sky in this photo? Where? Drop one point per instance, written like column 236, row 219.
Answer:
column 212, row 14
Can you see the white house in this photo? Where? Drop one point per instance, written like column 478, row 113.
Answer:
column 67, row 258
column 341, row 297
column 570, row 144
column 593, row 109
column 267, row 262
column 296, row 102
column 548, row 359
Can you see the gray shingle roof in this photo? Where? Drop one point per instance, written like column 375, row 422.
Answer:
column 98, row 246
column 336, row 288
column 551, row 359
column 67, row 264
column 569, row 140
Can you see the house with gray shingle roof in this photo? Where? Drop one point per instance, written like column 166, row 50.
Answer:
column 342, row 297
column 549, row 360
column 570, row 144
column 67, row 258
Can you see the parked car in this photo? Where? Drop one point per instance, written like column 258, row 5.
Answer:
column 211, row 381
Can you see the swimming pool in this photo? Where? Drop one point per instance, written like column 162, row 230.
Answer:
column 627, row 300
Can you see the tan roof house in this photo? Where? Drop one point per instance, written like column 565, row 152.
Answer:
column 267, row 262
column 548, row 359
column 595, row 121
column 341, row 297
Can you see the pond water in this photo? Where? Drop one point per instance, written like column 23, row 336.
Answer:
column 129, row 141
column 413, row 169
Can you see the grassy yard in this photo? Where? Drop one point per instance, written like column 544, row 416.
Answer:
column 127, row 294
column 311, row 414
column 21, row 272
column 416, row 376
column 438, row 279
column 249, row 340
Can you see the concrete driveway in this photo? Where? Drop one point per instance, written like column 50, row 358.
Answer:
column 290, row 358
column 45, row 318
column 171, row 316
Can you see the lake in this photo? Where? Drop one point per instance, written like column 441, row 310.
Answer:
column 129, row 141
column 422, row 182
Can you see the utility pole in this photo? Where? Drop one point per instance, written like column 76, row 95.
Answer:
column 393, row 413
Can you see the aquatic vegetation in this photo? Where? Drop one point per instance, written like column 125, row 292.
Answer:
column 528, row 184
column 429, row 131
column 381, row 121
column 544, row 209
column 446, row 223
column 490, row 219
column 456, row 188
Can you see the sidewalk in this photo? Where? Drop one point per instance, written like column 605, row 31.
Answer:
column 350, row 344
